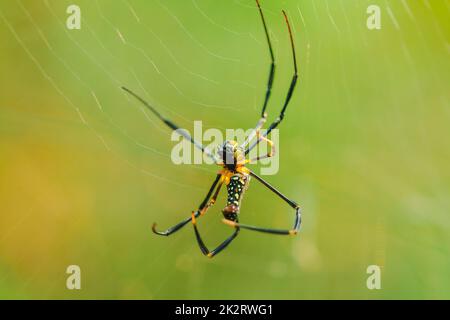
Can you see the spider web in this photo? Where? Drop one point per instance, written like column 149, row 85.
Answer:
column 114, row 31
column 90, row 52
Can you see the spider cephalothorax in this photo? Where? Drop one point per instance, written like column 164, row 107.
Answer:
column 232, row 155
column 232, row 158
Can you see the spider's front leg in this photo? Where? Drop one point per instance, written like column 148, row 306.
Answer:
column 271, row 151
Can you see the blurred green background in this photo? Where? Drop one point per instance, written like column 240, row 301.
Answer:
column 364, row 148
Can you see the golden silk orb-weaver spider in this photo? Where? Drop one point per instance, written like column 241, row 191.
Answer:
column 232, row 158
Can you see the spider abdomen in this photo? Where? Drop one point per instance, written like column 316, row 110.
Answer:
column 235, row 189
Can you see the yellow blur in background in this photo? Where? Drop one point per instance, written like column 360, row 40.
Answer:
column 364, row 149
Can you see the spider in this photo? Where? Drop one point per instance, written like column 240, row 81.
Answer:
column 232, row 158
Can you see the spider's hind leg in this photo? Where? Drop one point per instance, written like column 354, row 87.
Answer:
column 286, row 232
column 219, row 248
column 175, row 228
column 292, row 204
column 204, row 206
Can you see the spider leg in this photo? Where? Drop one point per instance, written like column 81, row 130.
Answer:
column 175, row 228
column 297, row 220
column 272, row 65
column 201, row 244
column 204, row 206
column 269, row 82
column 219, row 248
column 254, row 132
column 269, row 154
column 290, row 91
column 172, row 125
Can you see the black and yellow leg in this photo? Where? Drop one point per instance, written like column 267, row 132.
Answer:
column 289, row 93
column 271, row 78
column 219, row 248
column 286, row 232
column 271, row 150
column 201, row 210
column 213, row 199
column 175, row 228
column 172, row 125
column 255, row 131
column 272, row 64
column 297, row 219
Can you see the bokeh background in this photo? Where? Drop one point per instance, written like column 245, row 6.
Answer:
column 84, row 172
